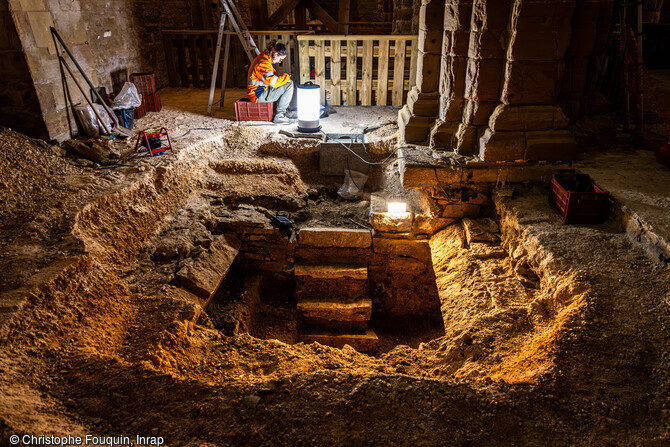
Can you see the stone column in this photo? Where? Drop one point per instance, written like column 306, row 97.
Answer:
column 417, row 116
column 486, row 60
column 455, row 44
column 529, row 125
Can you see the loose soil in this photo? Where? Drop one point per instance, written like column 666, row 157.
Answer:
column 553, row 334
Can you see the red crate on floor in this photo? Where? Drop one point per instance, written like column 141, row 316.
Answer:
column 577, row 199
column 152, row 103
column 140, row 111
column 144, row 82
column 246, row 110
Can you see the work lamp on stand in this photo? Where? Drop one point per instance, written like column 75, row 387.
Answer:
column 309, row 107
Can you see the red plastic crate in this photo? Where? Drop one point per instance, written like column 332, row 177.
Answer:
column 246, row 110
column 577, row 199
column 152, row 103
column 140, row 111
column 144, row 82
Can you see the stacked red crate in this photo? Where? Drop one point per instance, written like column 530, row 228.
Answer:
column 146, row 86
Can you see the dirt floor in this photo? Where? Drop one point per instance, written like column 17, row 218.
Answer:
column 554, row 334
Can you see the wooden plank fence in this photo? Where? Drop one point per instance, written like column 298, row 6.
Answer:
column 359, row 70
column 351, row 70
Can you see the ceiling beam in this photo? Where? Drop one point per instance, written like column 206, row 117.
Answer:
column 325, row 18
column 281, row 13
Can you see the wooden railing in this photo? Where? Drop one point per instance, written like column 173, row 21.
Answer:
column 350, row 68
column 189, row 56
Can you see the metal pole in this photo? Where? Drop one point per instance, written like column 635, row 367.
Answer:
column 640, row 85
column 217, row 54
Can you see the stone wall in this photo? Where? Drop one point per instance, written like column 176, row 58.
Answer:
column 107, row 38
column 503, row 69
column 19, row 106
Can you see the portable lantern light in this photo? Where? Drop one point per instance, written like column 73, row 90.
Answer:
column 309, row 107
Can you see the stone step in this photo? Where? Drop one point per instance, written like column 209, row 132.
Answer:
column 334, row 237
column 332, row 271
column 364, row 342
column 335, row 309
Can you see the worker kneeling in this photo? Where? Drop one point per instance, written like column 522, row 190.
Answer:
column 263, row 84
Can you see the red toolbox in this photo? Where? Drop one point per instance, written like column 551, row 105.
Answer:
column 246, row 110
column 577, row 199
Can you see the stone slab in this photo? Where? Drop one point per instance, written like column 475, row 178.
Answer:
column 335, row 237
column 203, row 275
column 502, row 146
column 331, row 271
column 364, row 342
column 40, row 24
column 532, row 82
column 336, row 310
column 508, row 117
column 480, row 230
column 390, row 223
column 418, row 249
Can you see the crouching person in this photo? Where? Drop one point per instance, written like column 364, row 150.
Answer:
column 264, row 85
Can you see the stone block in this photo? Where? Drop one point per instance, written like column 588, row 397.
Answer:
column 552, row 15
column 457, row 15
column 413, row 129
column 331, row 271
column 492, row 14
column 431, row 15
column 532, row 82
column 365, row 342
column 466, row 140
column 430, row 41
column 481, row 230
column 418, row 249
column 40, row 24
column 550, row 145
column 502, row 146
column 336, row 310
column 456, row 43
column 425, row 224
column 452, row 81
column 483, row 79
column 537, row 45
column 335, row 237
column 428, row 72
column 443, row 135
column 487, row 44
column 32, row 5
column 203, row 275
column 477, row 113
column 507, row 117
column 307, row 287
column 423, row 104
column 451, row 109
column 391, row 223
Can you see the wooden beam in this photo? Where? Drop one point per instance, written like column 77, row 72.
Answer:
column 357, row 37
column 398, row 73
column 281, row 13
column 383, row 72
column 366, row 90
column 321, row 14
column 343, row 16
column 259, row 13
column 351, row 72
column 301, row 16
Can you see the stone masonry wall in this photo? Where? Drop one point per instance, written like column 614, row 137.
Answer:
column 505, row 67
column 19, row 106
column 105, row 37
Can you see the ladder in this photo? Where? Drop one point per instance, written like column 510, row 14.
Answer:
column 236, row 25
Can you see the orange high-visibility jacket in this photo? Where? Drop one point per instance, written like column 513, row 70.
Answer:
column 263, row 75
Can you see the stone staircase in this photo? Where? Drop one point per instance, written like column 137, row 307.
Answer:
column 333, row 299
